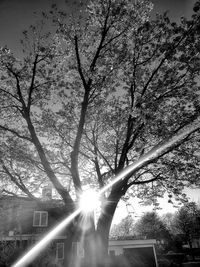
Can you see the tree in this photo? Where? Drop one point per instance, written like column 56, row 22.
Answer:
column 150, row 226
column 186, row 222
column 124, row 229
column 109, row 91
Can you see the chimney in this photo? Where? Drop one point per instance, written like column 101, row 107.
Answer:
column 47, row 192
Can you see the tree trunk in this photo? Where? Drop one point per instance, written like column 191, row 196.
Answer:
column 95, row 246
column 97, row 240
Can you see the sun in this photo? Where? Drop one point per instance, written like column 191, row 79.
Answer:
column 89, row 201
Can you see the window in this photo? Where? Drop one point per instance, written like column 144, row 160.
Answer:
column 77, row 249
column 112, row 253
column 59, row 251
column 40, row 218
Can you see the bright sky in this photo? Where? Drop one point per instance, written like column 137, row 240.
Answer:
column 137, row 210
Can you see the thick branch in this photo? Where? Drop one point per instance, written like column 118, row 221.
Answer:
column 116, row 152
column 8, row 93
column 103, row 36
column 87, row 87
column 20, row 184
column 79, row 62
column 98, row 171
column 105, row 159
column 50, row 173
column 15, row 133
column 76, row 147
column 135, row 135
column 9, row 193
column 126, row 144
column 32, row 83
column 21, row 99
column 96, row 162
column 143, row 182
column 152, row 75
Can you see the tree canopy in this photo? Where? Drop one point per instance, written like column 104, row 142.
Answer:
column 124, row 229
column 150, row 226
column 186, row 222
column 108, row 89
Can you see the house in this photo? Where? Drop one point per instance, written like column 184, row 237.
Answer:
column 24, row 221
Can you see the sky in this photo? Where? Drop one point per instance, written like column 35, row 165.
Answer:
column 136, row 210
column 176, row 8
column 17, row 15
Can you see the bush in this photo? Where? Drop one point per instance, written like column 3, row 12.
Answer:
column 164, row 263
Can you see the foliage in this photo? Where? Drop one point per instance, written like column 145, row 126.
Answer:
column 186, row 222
column 150, row 226
column 124, row 229
column 9, row 253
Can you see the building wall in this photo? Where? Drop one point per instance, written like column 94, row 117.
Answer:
column 119, row 245
column 136, row 252
column 17, row 215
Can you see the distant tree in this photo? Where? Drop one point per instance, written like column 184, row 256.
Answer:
column 110, row 90
column 124, row 229
column 186, row 222
column 150, row 225
column 168, row 218
column 175, row 241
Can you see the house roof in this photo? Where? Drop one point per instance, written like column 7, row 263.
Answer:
column 38, row 200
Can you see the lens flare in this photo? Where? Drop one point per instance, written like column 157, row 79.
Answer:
column 89, row 201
